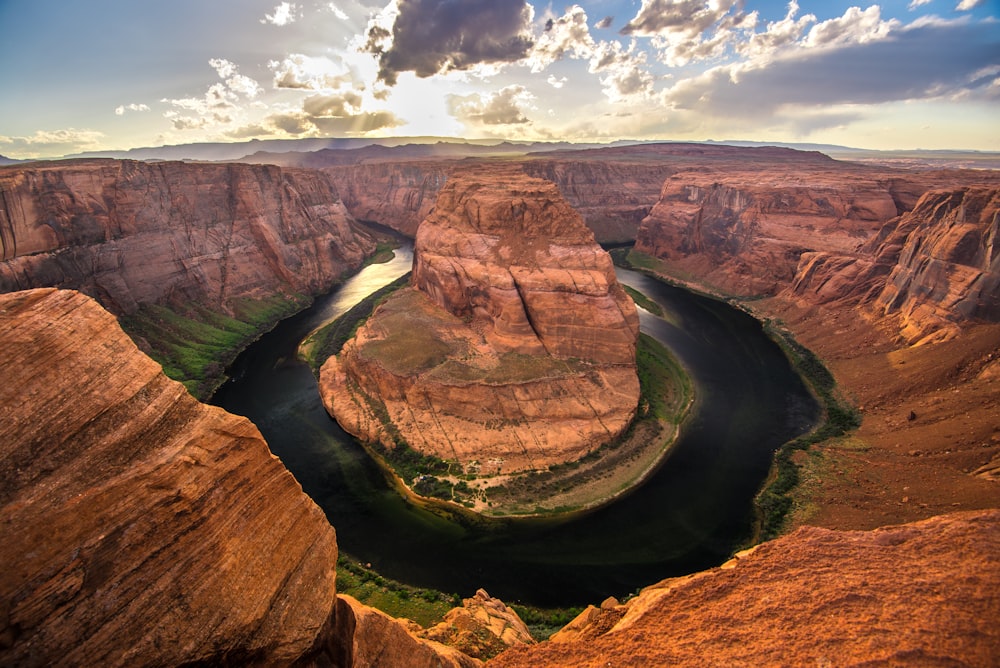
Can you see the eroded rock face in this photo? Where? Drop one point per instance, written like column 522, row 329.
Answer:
column 935, row 267
column 140, row 526
column 482, row 628
column 917, row 594
column 746, row 236
column 129, row 233
column 513, row 350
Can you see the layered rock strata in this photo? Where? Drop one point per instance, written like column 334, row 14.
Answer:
column 936, row 267
column 140, row 526
column 130, row 233
column 747, row 236
column 514, row 349
column 917, row 594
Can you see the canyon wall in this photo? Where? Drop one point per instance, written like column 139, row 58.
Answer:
column 513, row 350
column 141, row 526
column 144, row 528
column 935, row 267
column 130, row 233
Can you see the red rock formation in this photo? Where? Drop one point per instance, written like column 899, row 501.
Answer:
column 926, row 593
column 514, row 350
column 141, row 527
column 482, row 628
column 746, row 234
column 936, row 267
column 130, row 232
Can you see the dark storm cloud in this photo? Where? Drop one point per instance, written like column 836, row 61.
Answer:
column 432, row 36
column 926, row 61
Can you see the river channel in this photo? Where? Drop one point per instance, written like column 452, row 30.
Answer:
column 691, row 514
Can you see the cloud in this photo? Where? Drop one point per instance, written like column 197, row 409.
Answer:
column 623, row 69
column 299, row 71
column 556, row 82
column 122, row 108
column 918, row 3
column 51, row 143
column 691, row 30
column 428, row 37
column 236, row 82
column 284, row 13
column 966, row 5
column 301, row 123
column 500, row 108
column 922, row 61
column 337, row 11
column 605, row 23
column 220, row 103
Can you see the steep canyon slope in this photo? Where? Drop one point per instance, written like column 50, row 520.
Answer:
column 131, row 233
column 142, row 527
column 514, row 349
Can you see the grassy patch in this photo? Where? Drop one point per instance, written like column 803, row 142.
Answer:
column 664, row 387
column 543, row 622
column 643, row 301
column 196, row 344
column 424, row 606
column 326, row 342
column 774, row 502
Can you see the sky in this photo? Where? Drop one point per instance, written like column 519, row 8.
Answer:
column 84, row 75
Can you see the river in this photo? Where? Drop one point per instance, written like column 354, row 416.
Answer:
column 688, row 516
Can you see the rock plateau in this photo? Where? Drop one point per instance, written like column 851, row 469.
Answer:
column 514, row 349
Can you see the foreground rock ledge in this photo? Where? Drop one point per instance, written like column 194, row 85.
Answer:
column 921, row 594
column 513, row 350
column 141, row 527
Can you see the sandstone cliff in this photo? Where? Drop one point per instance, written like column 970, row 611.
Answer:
column 923, row 594
column 141, row 527
column 746, row 235
column 131, row 233
column 513, row 350
column 936, row 267
column 144, row 528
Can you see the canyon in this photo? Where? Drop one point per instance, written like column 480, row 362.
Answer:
column 148, row 528
column 514, row 348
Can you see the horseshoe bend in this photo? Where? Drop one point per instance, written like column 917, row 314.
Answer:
column 514, row 347
column 142, row 527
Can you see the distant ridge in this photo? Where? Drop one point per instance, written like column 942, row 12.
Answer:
column 318, row 152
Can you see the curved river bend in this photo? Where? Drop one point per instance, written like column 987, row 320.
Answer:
column 691, row 514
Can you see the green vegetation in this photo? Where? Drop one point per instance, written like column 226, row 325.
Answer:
column 775, row 500
column 664, row 386
column 327, row 341
column 543, row 622
column 644, row 302
column 195, row 344
column 424, row 606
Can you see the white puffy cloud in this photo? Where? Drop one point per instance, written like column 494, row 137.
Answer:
column 501, row 108
column 856, row 26
column 304, row 72
column 918, row 3
column 122, row 108
column 284, row 13
column 236, row 82
column 966, row 5
column 566, row 36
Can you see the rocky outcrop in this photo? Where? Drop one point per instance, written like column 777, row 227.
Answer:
column 513, row 350
column 482, row 628
column 935, row 267
column 140, row 526
column 916, row 594
column 131, row 233
column 373, row 639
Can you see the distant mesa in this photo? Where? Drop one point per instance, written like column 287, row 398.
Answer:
column 514, row 347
